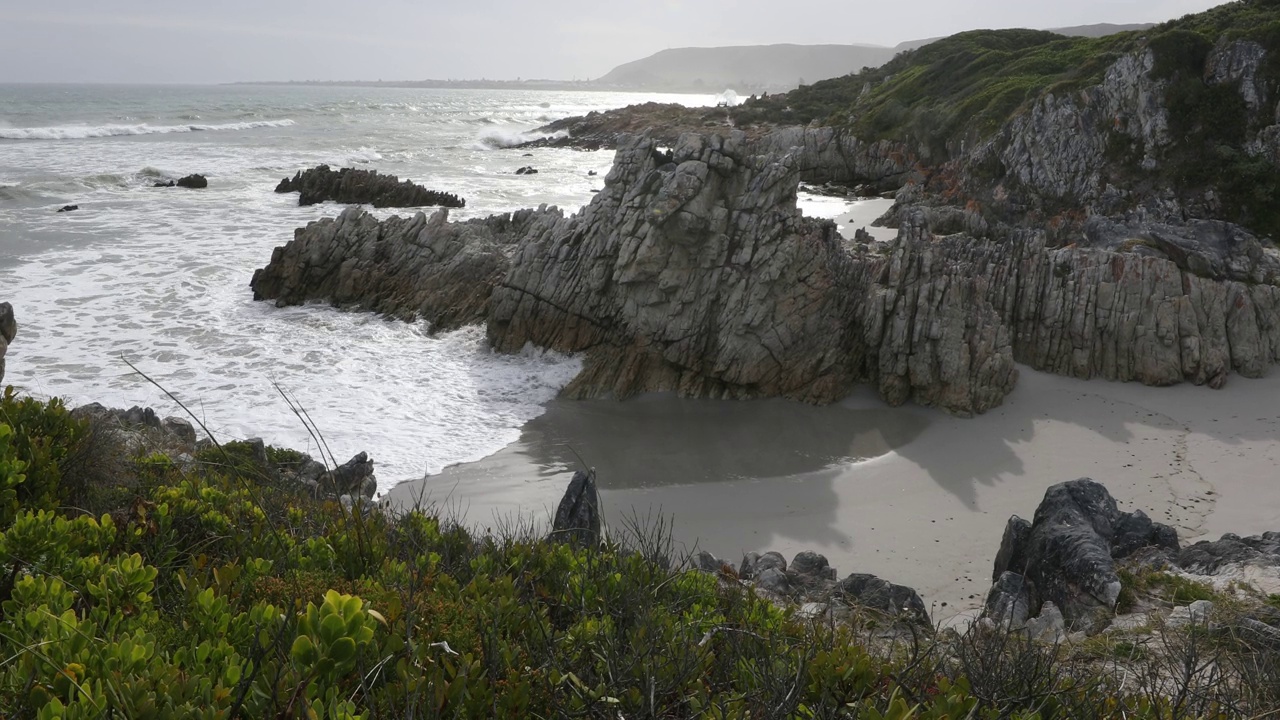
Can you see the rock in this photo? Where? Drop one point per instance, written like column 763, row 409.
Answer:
column 753, row 564
column 526, row 171
column 872, row 592
column 813, row 611
column 1067, row 555
column 193, row 182
column 591, row 173
column 812, row 566
column 707, row 562
column 1049, row 626
column 773, row 580
column 8, row 330
column 577, row 519
column 1197, row 613
column 353, row 186
column 1231, row 551
column 181, row 430
column 169, row 184
column 355, row 476
column 1008, row 604
column 68, row 208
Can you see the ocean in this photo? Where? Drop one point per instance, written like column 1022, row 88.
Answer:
column 159, row 277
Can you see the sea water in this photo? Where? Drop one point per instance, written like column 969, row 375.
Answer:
column 158, row 278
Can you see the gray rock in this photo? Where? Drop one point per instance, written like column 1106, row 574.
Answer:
column 8, row 330
column 180, row 429
column 349, row 185
column 773, row 580
column 1008, row 602
column 354, row 477
column 258, row 449
column 1214, row 558
column 872, row 592
column 707, row 562
column 1049, row 626
column 813, row 566
column 1067, row 557
column 1197, row 613
column 753, row 564
column 577, row 519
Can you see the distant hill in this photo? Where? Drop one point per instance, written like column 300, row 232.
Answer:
column 772, row 68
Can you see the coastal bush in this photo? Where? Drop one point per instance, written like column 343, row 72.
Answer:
column 206, row 595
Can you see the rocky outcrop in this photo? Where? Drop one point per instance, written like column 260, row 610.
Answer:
column 68, row 208
column 830, row 155
column 366, row 187
column 413, row 268
column 578, row 519
column 1212, row 558
column 354, row 477
column 141, row 430
column 8, row 330
column 1066, row 556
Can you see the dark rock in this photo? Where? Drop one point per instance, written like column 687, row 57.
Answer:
column 193, row 182
column 812, row 565
column 169, row 184
column 1211, row 558
column 1013, row 548
column 180, row 429
column 354, row 477
column 1068, row 554
column 367, row 187
column 577, row 518
column 68, row 208
column 1007, row 602
column 8, row 330
column 707, row 562
column 871, row 592
column 526, row 171
column 774, row 581
column 591, row 173
column 753, row 564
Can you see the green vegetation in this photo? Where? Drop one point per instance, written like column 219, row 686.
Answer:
column 1161, row 587
column 194, row 590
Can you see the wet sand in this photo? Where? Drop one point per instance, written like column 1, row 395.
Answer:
column 909, row 494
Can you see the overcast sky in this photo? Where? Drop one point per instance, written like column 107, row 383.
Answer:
column 230, row 40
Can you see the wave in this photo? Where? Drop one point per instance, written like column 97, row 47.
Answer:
column 496, row 138
column 82, row 132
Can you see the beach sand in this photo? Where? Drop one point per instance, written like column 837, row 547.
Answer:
column 910, row 494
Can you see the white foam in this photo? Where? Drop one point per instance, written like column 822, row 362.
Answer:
column 84, row 132
column 497, row 138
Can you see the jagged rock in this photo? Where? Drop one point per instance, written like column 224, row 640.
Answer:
column 349, row 185
column 577, row 519
column 1008, row 604
column 773, row 580
column 1049, row 626
column 753, row 564
column 8, row 330
column 707, row 562
column 812, row 566
column 413, row 268
column 872, row 592
column 1213, row 558
column 1067, row 557
column 193, row 182
column 526, row 170
column 180, row 429
column 141, row 429
column 68, row 208
column 354, row 477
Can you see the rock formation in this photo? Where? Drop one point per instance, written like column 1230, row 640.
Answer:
column 1066, row 556
column 577, row 519
column 8, row 329
column 68, row 208
column 367, row 187
column 691, row 271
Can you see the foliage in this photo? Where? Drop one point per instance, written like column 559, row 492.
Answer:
column 206, row 596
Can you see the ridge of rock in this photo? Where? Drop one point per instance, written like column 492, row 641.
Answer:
column 352, row 186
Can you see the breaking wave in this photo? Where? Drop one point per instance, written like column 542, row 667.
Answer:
column 82, row 132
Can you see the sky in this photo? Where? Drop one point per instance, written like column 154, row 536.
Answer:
column 246, row 40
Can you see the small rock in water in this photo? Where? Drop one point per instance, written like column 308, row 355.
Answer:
column 68, row 208
column 526, row 170
column 194, row 182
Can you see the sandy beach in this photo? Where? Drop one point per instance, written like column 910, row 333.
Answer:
column 909, row 494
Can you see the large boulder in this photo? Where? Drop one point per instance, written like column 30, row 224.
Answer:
column 872, row 592
column 193, row 182
column 1067, row 555
column 367, row 187
column 354, row 477
column 577, row 519
column 8, row 329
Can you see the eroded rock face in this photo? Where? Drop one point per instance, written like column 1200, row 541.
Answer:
column 8, row 329
column 349, row 185
column 1067, row 556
